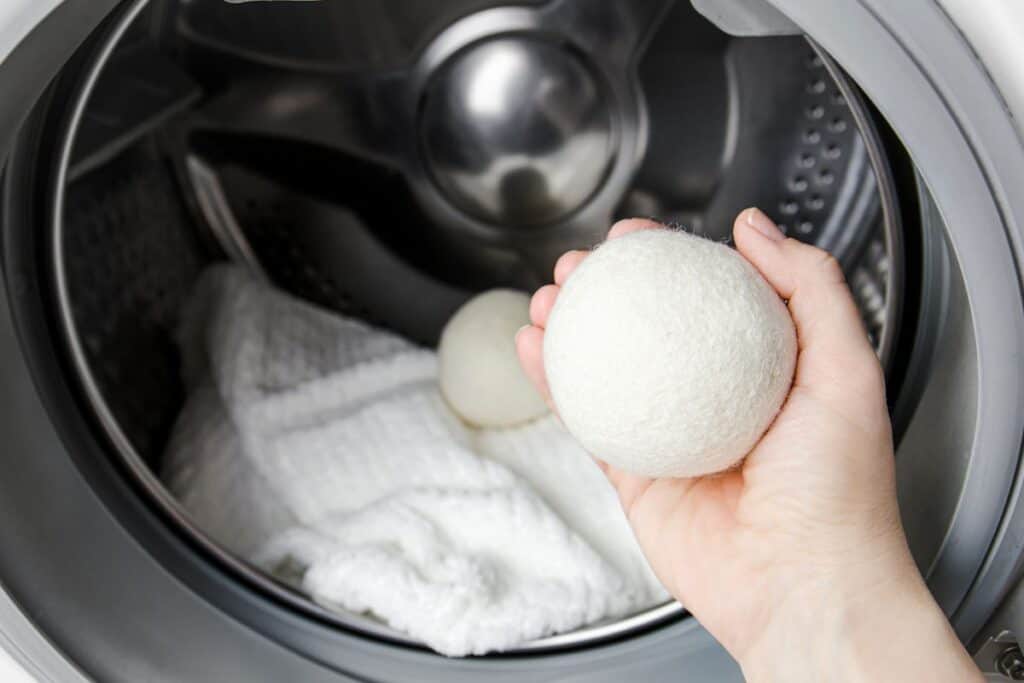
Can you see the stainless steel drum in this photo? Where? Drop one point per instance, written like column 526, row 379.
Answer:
column 509, row 136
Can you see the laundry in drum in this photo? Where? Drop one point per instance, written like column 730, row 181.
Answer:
column 322, row 449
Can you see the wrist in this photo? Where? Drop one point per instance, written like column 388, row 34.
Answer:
column 879, row 626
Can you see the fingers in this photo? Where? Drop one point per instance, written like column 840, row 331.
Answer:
column 530, row 348
column 832, row 339
column 541, row 303
column 624, row 227
column 571, row 259
column 567, row 263
column 530, row 340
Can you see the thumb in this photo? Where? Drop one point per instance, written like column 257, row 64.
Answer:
column 835, row 354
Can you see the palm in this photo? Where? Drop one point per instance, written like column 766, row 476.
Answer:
column 723, row 535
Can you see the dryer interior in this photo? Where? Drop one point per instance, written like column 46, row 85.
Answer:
column 341, row 151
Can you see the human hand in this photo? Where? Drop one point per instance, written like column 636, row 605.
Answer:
column 796, row 561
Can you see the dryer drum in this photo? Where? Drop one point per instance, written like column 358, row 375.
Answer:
column 332, row 148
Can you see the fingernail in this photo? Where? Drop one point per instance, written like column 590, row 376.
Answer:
column 764, row 225
column 520, row 330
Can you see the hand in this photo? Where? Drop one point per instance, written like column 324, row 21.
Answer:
column 797, row 561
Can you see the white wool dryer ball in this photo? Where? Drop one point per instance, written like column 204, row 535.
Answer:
column 668, row 355
column 480, row 374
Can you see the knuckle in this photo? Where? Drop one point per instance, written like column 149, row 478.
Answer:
column 818, row 275
column 816, row 264
column 829, row 268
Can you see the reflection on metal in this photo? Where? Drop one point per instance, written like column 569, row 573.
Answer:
column 508, row 118
column 868, row 284
column 126, row 108
column 213, row 204
column 517, row 131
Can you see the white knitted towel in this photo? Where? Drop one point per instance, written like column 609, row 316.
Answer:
column 313, row 440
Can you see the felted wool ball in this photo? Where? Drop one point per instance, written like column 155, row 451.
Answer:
column 480, row 375
column 668, row 355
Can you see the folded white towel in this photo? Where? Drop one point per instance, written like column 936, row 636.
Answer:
column 315, row 440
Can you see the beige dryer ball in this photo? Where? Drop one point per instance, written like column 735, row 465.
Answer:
column 480, row 375
column 668, row 355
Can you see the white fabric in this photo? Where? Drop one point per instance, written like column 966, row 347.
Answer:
column 668, row 354
column 317, row 441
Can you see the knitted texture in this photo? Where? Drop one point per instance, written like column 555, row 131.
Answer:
column 317, row 442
